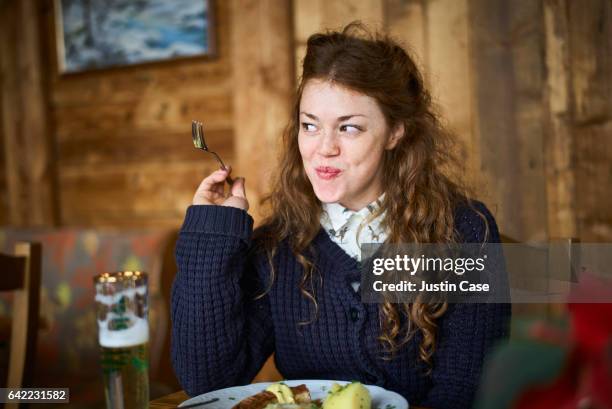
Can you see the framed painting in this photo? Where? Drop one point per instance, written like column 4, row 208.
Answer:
column 96, row 34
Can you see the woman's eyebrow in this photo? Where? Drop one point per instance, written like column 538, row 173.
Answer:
column 345, row 117
column 340, row 118
column 311, row 116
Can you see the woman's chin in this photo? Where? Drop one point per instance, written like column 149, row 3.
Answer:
column 328, row 195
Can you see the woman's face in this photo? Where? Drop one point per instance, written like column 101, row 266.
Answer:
column 343, row 135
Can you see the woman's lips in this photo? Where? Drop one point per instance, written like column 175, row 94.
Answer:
column 327, row 172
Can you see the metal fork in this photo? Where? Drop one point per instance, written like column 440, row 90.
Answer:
column 197, row 133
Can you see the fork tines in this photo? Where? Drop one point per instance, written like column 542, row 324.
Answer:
column 197, row 134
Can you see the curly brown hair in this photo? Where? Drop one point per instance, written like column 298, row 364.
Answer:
column 420, row 197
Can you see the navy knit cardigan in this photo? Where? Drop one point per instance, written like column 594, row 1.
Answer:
column 222, row 334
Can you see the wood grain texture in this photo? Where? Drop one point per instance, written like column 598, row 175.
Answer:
column 559, row 142
column 11, row 111
column 263, row 73
column 508, row 80
column 590, row 51
column 123, row 136
column 312, row 16
column 139, row 145
column 4, row 33
column 405, row 21
column 451, row 82
column 27, row 146
column 131, row 194
column 593, row 180
column 590, row 45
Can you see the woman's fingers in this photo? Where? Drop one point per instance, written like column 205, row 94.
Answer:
column 211, row 189
column 237, row 196
column 238, row 188
column 215, row 180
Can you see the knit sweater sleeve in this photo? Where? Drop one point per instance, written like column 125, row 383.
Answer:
column 467, row 331
column 221, row 332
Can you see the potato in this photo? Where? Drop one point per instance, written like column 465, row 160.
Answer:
column 351, row 396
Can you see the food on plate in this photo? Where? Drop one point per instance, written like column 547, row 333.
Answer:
column 257, row 401
column 280, row 396
column 350, row 396
column 285, row 394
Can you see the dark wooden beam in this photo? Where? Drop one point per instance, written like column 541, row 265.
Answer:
column 29, row 165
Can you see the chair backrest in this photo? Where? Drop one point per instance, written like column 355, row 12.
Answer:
column 553, row 262
column 20, row 273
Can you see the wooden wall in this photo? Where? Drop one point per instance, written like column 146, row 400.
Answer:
column 123, row 137
column 526, row 88
column 28, row 172
column 590, row 50
column 120, row 138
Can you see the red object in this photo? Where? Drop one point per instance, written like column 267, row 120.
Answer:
column 586, row 381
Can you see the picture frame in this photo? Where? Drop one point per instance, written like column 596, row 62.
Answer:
column 101, row 34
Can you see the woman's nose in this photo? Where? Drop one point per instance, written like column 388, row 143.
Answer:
column 329, row 145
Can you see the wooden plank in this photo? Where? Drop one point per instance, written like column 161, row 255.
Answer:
column 589, row 33
column 308, row 18
column 508, row 81
column 263, row 80
column 11, row 112
column 4, row 208
column 198, row 78
column 29, row 165
column 338, row 13
column 129, row 193
column 312, row 16
column 169, row 401
column 4, row 204
column 448, row 62
column 39, row 163
column 558, row 142
column 127, row 146
column 593, row 174
column 525, row 37
column 405, row 21
column 173, row 113
column 590, row 47
column 492, row 146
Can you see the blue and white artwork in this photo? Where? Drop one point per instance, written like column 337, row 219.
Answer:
column 107, row 33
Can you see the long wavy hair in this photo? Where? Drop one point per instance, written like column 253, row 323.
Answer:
column 419, row 195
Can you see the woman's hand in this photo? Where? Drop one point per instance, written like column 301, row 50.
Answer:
column 212, row 191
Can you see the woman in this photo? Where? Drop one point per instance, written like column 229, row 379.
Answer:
column 362, row 162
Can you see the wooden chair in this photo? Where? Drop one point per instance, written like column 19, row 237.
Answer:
column 555, row 262
column 20, row 273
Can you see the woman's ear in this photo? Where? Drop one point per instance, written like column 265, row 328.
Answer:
column 396, row 134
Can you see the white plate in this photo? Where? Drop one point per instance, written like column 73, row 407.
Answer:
column 228, row 397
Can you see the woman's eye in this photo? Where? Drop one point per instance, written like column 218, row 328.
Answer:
column 350, row 128
column 308, row 127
